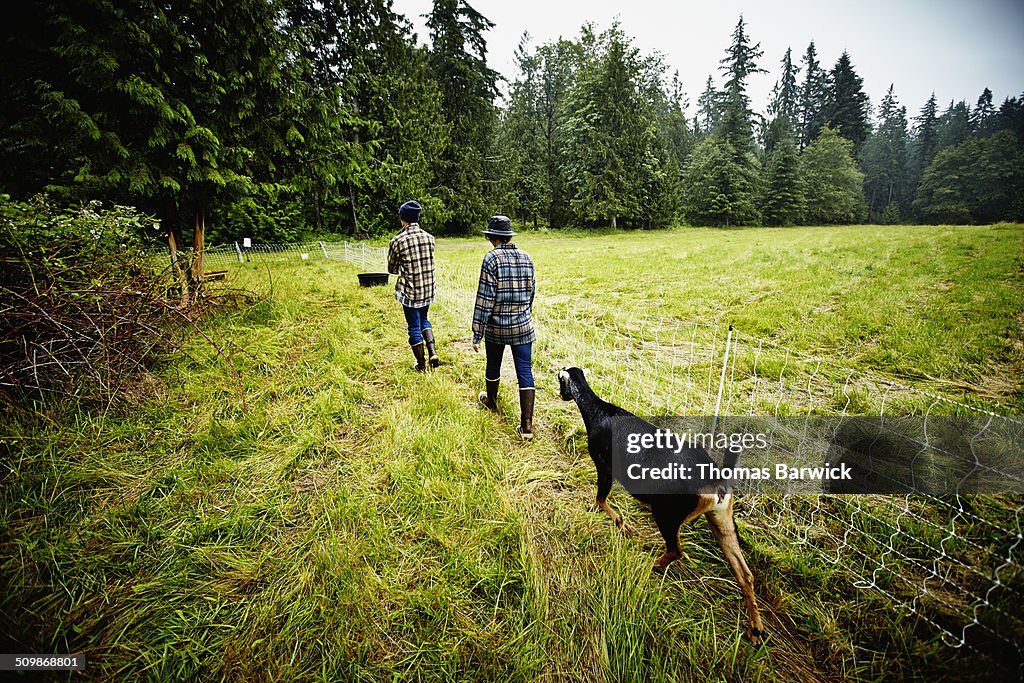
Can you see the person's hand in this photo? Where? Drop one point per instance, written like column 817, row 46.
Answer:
column 476, row 347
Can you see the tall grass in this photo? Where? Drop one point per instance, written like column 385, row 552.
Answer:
column 363, row 522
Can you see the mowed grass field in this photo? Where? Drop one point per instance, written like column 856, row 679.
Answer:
column 362, row 522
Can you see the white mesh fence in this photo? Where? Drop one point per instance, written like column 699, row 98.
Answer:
column 949, row 557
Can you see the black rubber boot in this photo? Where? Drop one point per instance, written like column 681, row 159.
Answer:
column 421, row 361
column 490, row 397
column 428, row 339
column 526, row 397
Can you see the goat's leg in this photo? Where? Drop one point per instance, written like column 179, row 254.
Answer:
column 668, row 522
column 604, row 487
column 724, row 528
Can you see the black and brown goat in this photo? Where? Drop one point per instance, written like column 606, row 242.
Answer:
column 671, row 503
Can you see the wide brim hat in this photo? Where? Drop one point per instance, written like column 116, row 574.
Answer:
column 499, row 226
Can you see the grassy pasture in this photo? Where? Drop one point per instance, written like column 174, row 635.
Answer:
column 362, row 522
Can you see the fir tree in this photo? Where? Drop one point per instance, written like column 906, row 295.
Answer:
column 813, row 93
column 718, row 190
column 468, row 88
column 615, row 164
column 953, row 127
column 785, row 200
column 784, row 106
column 883, row 161
column 983, row 117
column 846, row 105
column 923, row 147
column 709, row 108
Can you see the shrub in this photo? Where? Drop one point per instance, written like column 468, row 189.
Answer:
column 83, row 309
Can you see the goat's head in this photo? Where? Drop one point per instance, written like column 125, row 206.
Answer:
column 565, row 378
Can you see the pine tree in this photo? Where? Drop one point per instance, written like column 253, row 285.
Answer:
column 178, row 108
column 846, row 105
column 521, row 144
column 560, row 61
column 980, row 180
column 1011, row 116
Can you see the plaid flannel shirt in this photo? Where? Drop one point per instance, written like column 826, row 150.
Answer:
column 411, row 258
column 504, row 298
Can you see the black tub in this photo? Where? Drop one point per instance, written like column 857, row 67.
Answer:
column 372, row 279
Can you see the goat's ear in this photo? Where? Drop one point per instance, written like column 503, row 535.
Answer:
column 563, row 375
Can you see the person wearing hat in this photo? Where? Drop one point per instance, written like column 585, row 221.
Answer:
column 503, row 316
column 411, row 258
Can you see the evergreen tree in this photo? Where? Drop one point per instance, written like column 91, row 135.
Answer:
column 784, row 107
column 521, row 143
column 953, row 127
column 923, row 146
column 846, row 105
column 468, row 88
column 177, row 108
column 717, row 190
column 1011, row 116
column 739, row 63
column 983, row 117
column 785, row 200
column 978, row 181
column 735, row 135
column 560, row 61
column 884, row 160
column 709, row 109
column 833, row 183
column 813, row 95
column 614, row 161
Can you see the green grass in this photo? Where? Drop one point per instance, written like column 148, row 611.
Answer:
column 362, row 522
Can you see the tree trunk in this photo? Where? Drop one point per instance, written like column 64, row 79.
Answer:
column 198, row 242
column 352, row 198
column 318, row 219
column 176, row 268
column 615, row 225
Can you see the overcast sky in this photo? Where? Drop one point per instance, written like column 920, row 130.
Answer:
column 955, row 48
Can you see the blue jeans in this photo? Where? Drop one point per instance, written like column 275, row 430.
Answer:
column 416, row 318
column 522, row 356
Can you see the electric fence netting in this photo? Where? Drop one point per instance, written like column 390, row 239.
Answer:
column 924, row 535
column 929, row 544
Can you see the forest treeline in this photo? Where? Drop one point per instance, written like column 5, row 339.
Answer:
column 283, row 119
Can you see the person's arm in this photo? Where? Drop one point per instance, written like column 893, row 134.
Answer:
column 485, row 296
column 394, row 258
column 533, row 285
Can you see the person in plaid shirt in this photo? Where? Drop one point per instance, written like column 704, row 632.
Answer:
column 503, row 316
column 411, row 258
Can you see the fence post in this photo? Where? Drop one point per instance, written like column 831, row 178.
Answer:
column 362, row 256
column 721, row 381
column 324, row 249
column 241, row 259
